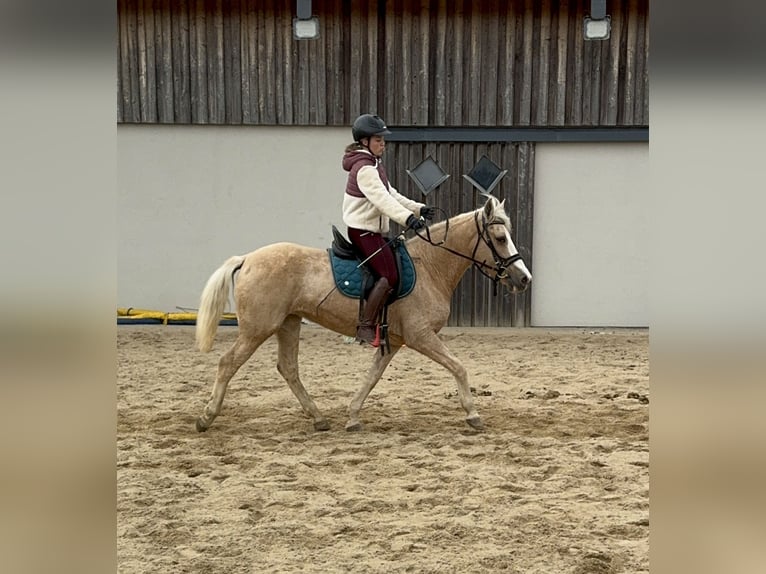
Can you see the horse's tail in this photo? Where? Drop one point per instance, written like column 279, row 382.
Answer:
column 213, row 301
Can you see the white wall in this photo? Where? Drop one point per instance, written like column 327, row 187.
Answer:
column 591, row 233
column 191, row 196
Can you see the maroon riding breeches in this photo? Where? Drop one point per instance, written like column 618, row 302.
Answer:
column 383, row 262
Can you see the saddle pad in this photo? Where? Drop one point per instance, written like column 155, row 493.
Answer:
column 348, row 275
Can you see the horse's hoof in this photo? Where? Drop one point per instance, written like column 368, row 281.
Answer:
column 475, row 422
column 322, row 425
column 354, row 427
column 201, row 427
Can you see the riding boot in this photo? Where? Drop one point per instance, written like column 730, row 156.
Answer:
column 366, row 331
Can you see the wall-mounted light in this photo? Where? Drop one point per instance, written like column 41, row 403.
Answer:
column 597, row 29
column 427, row 175
column 597, row 25
column 305, row 27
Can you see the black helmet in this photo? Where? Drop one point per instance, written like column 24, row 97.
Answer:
column 368, row 125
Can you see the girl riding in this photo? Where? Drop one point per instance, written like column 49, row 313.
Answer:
column 369, row 203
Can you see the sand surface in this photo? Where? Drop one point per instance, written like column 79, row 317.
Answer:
column 557, row 483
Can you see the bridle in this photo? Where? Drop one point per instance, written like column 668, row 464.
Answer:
column 501, row 263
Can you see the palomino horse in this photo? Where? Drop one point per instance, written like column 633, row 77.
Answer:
column 280, row 283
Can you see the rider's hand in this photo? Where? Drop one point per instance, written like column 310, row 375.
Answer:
column 427, row 212
column 415, row 223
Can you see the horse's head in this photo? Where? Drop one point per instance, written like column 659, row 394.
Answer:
column 495, row 228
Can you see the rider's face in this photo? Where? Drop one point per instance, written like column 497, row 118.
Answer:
column 377, row 145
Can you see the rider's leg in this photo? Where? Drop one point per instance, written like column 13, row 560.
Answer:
column 366, row 330
column 383, row 265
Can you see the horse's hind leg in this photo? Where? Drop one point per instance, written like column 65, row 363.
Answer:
column 288, row 337
column 432, row 347
column 373, row 376
column 229, row 364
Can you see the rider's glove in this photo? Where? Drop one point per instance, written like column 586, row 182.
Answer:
column 415, row 223
column 427, row 212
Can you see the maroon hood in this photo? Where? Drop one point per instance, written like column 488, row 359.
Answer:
column 351, row 158
column 353, row 161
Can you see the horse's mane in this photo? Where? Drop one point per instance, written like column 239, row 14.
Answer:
column 437, row 229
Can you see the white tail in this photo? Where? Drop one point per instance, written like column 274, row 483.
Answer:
column 213, row 301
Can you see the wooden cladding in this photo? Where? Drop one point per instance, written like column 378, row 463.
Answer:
column 415, row 62
column 474, row 303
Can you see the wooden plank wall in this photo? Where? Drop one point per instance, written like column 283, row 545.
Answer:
column 473, row 303
column 415, row 62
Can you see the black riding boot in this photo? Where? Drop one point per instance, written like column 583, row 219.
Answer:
column 366, row 330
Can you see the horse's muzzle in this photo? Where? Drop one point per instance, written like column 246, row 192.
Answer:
column 518, row 278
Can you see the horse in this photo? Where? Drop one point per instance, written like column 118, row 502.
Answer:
column 280, row 284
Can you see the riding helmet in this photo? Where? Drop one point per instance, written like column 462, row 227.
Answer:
column 368, row 125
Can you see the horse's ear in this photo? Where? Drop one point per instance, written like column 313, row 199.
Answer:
column 501, row 206
column 489, row 207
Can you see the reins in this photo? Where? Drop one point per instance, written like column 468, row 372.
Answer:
column 501, row 263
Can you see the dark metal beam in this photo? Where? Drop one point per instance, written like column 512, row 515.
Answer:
column 304, row 9
column 488, row 134
column 598, row 9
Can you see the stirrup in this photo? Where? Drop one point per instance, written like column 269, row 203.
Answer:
column 375, row 341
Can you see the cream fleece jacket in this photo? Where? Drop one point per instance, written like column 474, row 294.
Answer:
column 373, row 211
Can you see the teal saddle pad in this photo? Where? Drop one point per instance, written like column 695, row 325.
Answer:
column 348, row 274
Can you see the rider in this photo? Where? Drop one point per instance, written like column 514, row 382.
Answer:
column 368, row 204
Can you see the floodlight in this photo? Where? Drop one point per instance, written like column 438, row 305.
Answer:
column 306, row 28
column 485, row 175
column 597, row 29
column 427, row 175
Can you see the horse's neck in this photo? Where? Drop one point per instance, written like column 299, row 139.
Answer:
column 447, row 267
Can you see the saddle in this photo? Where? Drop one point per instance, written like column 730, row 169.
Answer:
column 354, row 279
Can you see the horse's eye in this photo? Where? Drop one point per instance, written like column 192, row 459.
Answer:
column 501, row 240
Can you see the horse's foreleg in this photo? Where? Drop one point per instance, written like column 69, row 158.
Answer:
column 373, row 376
column 432, row 347
column 230, row 362
column 288, row 337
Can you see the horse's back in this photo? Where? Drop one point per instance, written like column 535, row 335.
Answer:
column 284, row 261
column 284, row 251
